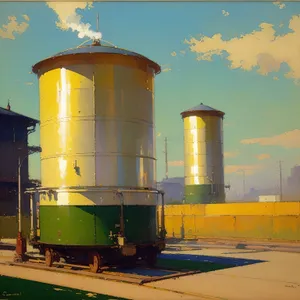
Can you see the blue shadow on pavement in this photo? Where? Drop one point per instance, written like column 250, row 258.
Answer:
column 211, row 259
column 146, row 272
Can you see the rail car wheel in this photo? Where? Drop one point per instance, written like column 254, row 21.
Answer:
column 49, row 257
column 95, row 262
column 151, row 257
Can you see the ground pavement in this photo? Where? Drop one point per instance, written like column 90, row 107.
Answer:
column 272, row 276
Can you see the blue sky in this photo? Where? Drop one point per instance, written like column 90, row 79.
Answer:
column 256, row 105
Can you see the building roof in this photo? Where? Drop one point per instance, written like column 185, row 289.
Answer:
column 10, row 113
column 94, row 49
column 202, row 110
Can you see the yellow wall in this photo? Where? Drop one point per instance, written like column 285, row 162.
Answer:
column 272, row 221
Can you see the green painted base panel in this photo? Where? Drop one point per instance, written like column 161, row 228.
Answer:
column 204, row 194
column 94, row 225
column 16, row 288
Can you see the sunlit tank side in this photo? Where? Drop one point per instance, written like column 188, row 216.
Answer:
column 203, row 155
column 97, row 136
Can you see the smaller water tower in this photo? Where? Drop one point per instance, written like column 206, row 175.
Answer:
column 203, row 155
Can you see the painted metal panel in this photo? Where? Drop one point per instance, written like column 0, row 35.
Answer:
column 60, row 172
column 259, row 227
column 222, row 226
column 237, row 209
column 189, row 228
column 203, row 150
column 286, row 228
column 203, row 156
column 128, row 158
column 100, row 198
column 287, row 208
column 97, row 125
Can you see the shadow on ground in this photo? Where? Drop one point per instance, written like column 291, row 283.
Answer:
column 4, row 246
column 168, row 264
column 203, row 263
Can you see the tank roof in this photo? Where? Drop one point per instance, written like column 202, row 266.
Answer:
column 94, row 49
column 202, row 109
column 9, row 113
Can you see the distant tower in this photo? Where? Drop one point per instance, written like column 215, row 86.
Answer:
column 8, row 105
column 203, row 155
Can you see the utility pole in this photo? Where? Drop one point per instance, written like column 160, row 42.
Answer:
column 244, row 183
column 166, row 157
column 280, row 180
column 19, row 196
column 21, row 240
column 244, row 180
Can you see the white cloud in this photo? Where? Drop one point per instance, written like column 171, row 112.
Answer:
column 263, row 156
column 8, row 30
column 166, row 70
column 173, row 53
column 261, row 49
column 225, row 13
column 26, row 18
column 183, row 52
column 29, row 83
column 289, row 139
column 68, row 18
column 176, row 163
column 240, row 169
column 279, row 4
column 231, row 154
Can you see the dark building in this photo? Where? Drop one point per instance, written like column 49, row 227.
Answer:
column 293, row 185
column 173, row 188
column 14, row 131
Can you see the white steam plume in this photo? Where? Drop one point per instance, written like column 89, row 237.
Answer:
column 68, row 18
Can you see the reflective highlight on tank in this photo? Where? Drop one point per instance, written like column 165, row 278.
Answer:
column 97, row 125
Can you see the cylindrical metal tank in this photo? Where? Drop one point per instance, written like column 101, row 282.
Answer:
column 203, row 155
column 97, row 136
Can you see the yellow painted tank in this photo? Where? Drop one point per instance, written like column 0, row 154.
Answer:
column 97, row 136
column 203, row 155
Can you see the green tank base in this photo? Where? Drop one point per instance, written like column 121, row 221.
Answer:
column 99, row 256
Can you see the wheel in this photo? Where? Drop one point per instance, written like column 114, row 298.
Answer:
column 94, row 262
column 151, row 257
column 49, row 257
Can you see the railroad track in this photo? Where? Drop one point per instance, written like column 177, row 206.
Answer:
column 137, row 275
column 115, row 276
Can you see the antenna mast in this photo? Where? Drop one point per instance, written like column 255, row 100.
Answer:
column 96, row 42
column 280, row 179
column 166, row 157
column 97, row 27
